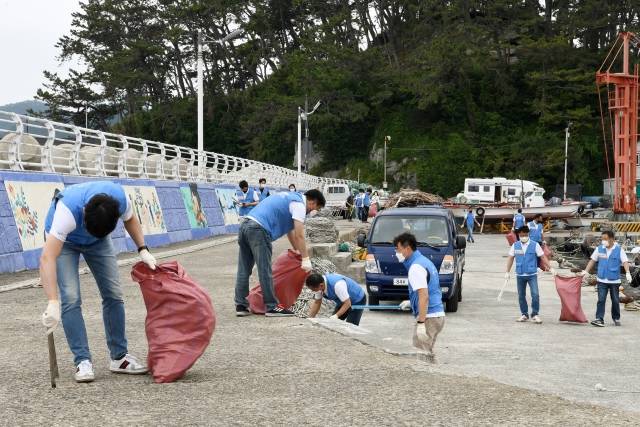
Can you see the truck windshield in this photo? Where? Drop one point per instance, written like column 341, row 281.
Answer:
column 429, row 230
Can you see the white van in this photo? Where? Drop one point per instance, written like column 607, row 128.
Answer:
column 336, row 195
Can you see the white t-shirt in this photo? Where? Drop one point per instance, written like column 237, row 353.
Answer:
column 539, row 253
column 623, row 259
column 340, row 288
column 64, row 223
column 297, row 210
column 418, row 280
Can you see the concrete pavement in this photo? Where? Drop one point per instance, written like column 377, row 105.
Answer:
column 261, row 371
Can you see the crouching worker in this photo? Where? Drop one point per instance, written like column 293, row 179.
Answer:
column 425, row 295
column 79, row 222
column 344, row 291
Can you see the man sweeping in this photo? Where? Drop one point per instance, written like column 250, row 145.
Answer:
column 343, row 290
column 79, row 222
column 424, row 293
column 610, row 257
column 277, row 215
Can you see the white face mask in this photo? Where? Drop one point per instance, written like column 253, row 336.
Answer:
column 262, row 186
column 292, row 189
column 605, row 243
column 524, row 239
column 312, row 213
column 400, row 256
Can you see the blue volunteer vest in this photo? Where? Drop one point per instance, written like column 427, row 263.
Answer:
column 469, row 219
column 76, row 197
column 359, row 200
column 264, row 193
column 609, row 268
column 433, row 284
column 273, row 213
column 367, row 200
column 246, row 198
column 518, row 220
column 535, row 231
column 526, row 262
column 353, row 288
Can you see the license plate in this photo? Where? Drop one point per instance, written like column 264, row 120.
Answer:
column 401, row 282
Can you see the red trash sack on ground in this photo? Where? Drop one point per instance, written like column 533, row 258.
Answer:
column 570, row 289
column 288, row 280
column 511, row 238
column 180, row 319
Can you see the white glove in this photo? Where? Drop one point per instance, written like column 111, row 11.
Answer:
column 582, row 273
column 334, row 317
column 51, row 316
column 507, row 275
column 553, row 271
column 421, row 332
column 629, row 278
column 148, row 259
column 306, row 264
column 405, row 305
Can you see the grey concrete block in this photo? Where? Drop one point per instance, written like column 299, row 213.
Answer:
column 356, row 271
column 325, row 250
column 342, row 261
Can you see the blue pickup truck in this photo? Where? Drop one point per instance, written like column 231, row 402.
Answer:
column 438, row 240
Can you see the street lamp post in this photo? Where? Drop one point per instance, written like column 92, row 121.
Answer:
column 303, row 114
column 384, row 182
column 566, row 156
column 200, row 65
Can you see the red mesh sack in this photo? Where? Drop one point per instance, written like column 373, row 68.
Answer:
column 180, row 319
column 373, row 210
column 569, row 289
column 288, row 280
column 511, row 238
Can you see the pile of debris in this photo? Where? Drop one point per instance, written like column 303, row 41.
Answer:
column 411, row 198
column 301, row 306
column 320, row 230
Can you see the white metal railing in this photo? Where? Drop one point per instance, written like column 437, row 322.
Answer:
column 37, row 144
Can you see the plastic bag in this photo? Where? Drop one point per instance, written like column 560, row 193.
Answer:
column 570, row 289
column 547, row 253
column 288, row 280
column 511, row 238
column 180, row 319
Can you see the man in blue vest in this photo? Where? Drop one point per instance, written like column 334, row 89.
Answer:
column 79, row 222
column 344, row 291
column 359, row 203
column 263, row 192
column 247, row 198
column 609, row 257
column 280, row 214
column 470, row 220
column 366, row 205
column 526, row 253
column 425, row 295
column 518, row 220
column 536, row 229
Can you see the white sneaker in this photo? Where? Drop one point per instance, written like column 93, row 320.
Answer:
column 128, row 365
column 536, row 319
column 84, row 372
column 523, row 318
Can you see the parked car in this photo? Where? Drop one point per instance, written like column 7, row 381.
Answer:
column 438, row 240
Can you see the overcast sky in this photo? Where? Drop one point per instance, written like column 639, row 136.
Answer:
column 29, row 29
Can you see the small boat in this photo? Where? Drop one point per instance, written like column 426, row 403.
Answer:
column 500, row 198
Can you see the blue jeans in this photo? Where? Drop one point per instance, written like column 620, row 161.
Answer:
column 613, row 290
column 101, row 259
column 470, row 236
column 255, row 249
column 522, row 294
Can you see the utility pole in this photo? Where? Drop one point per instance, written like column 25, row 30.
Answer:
column 299, row 139
column 200, row 66
column 86, row 114
column 386, row 140
column 306, row 134
column 304, row 115
column 566, row 156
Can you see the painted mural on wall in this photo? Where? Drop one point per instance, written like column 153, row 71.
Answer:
column 193, row 205
column 146, row 207
column 227, row 200
column 30, row 202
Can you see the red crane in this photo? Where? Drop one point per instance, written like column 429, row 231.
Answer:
column 623, row 110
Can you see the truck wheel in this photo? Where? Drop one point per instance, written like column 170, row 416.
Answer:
column 452, row 303
column 373, row 300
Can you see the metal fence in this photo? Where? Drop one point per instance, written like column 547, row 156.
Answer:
column 37, row 144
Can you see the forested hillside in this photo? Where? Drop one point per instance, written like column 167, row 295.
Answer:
column 464, row 88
